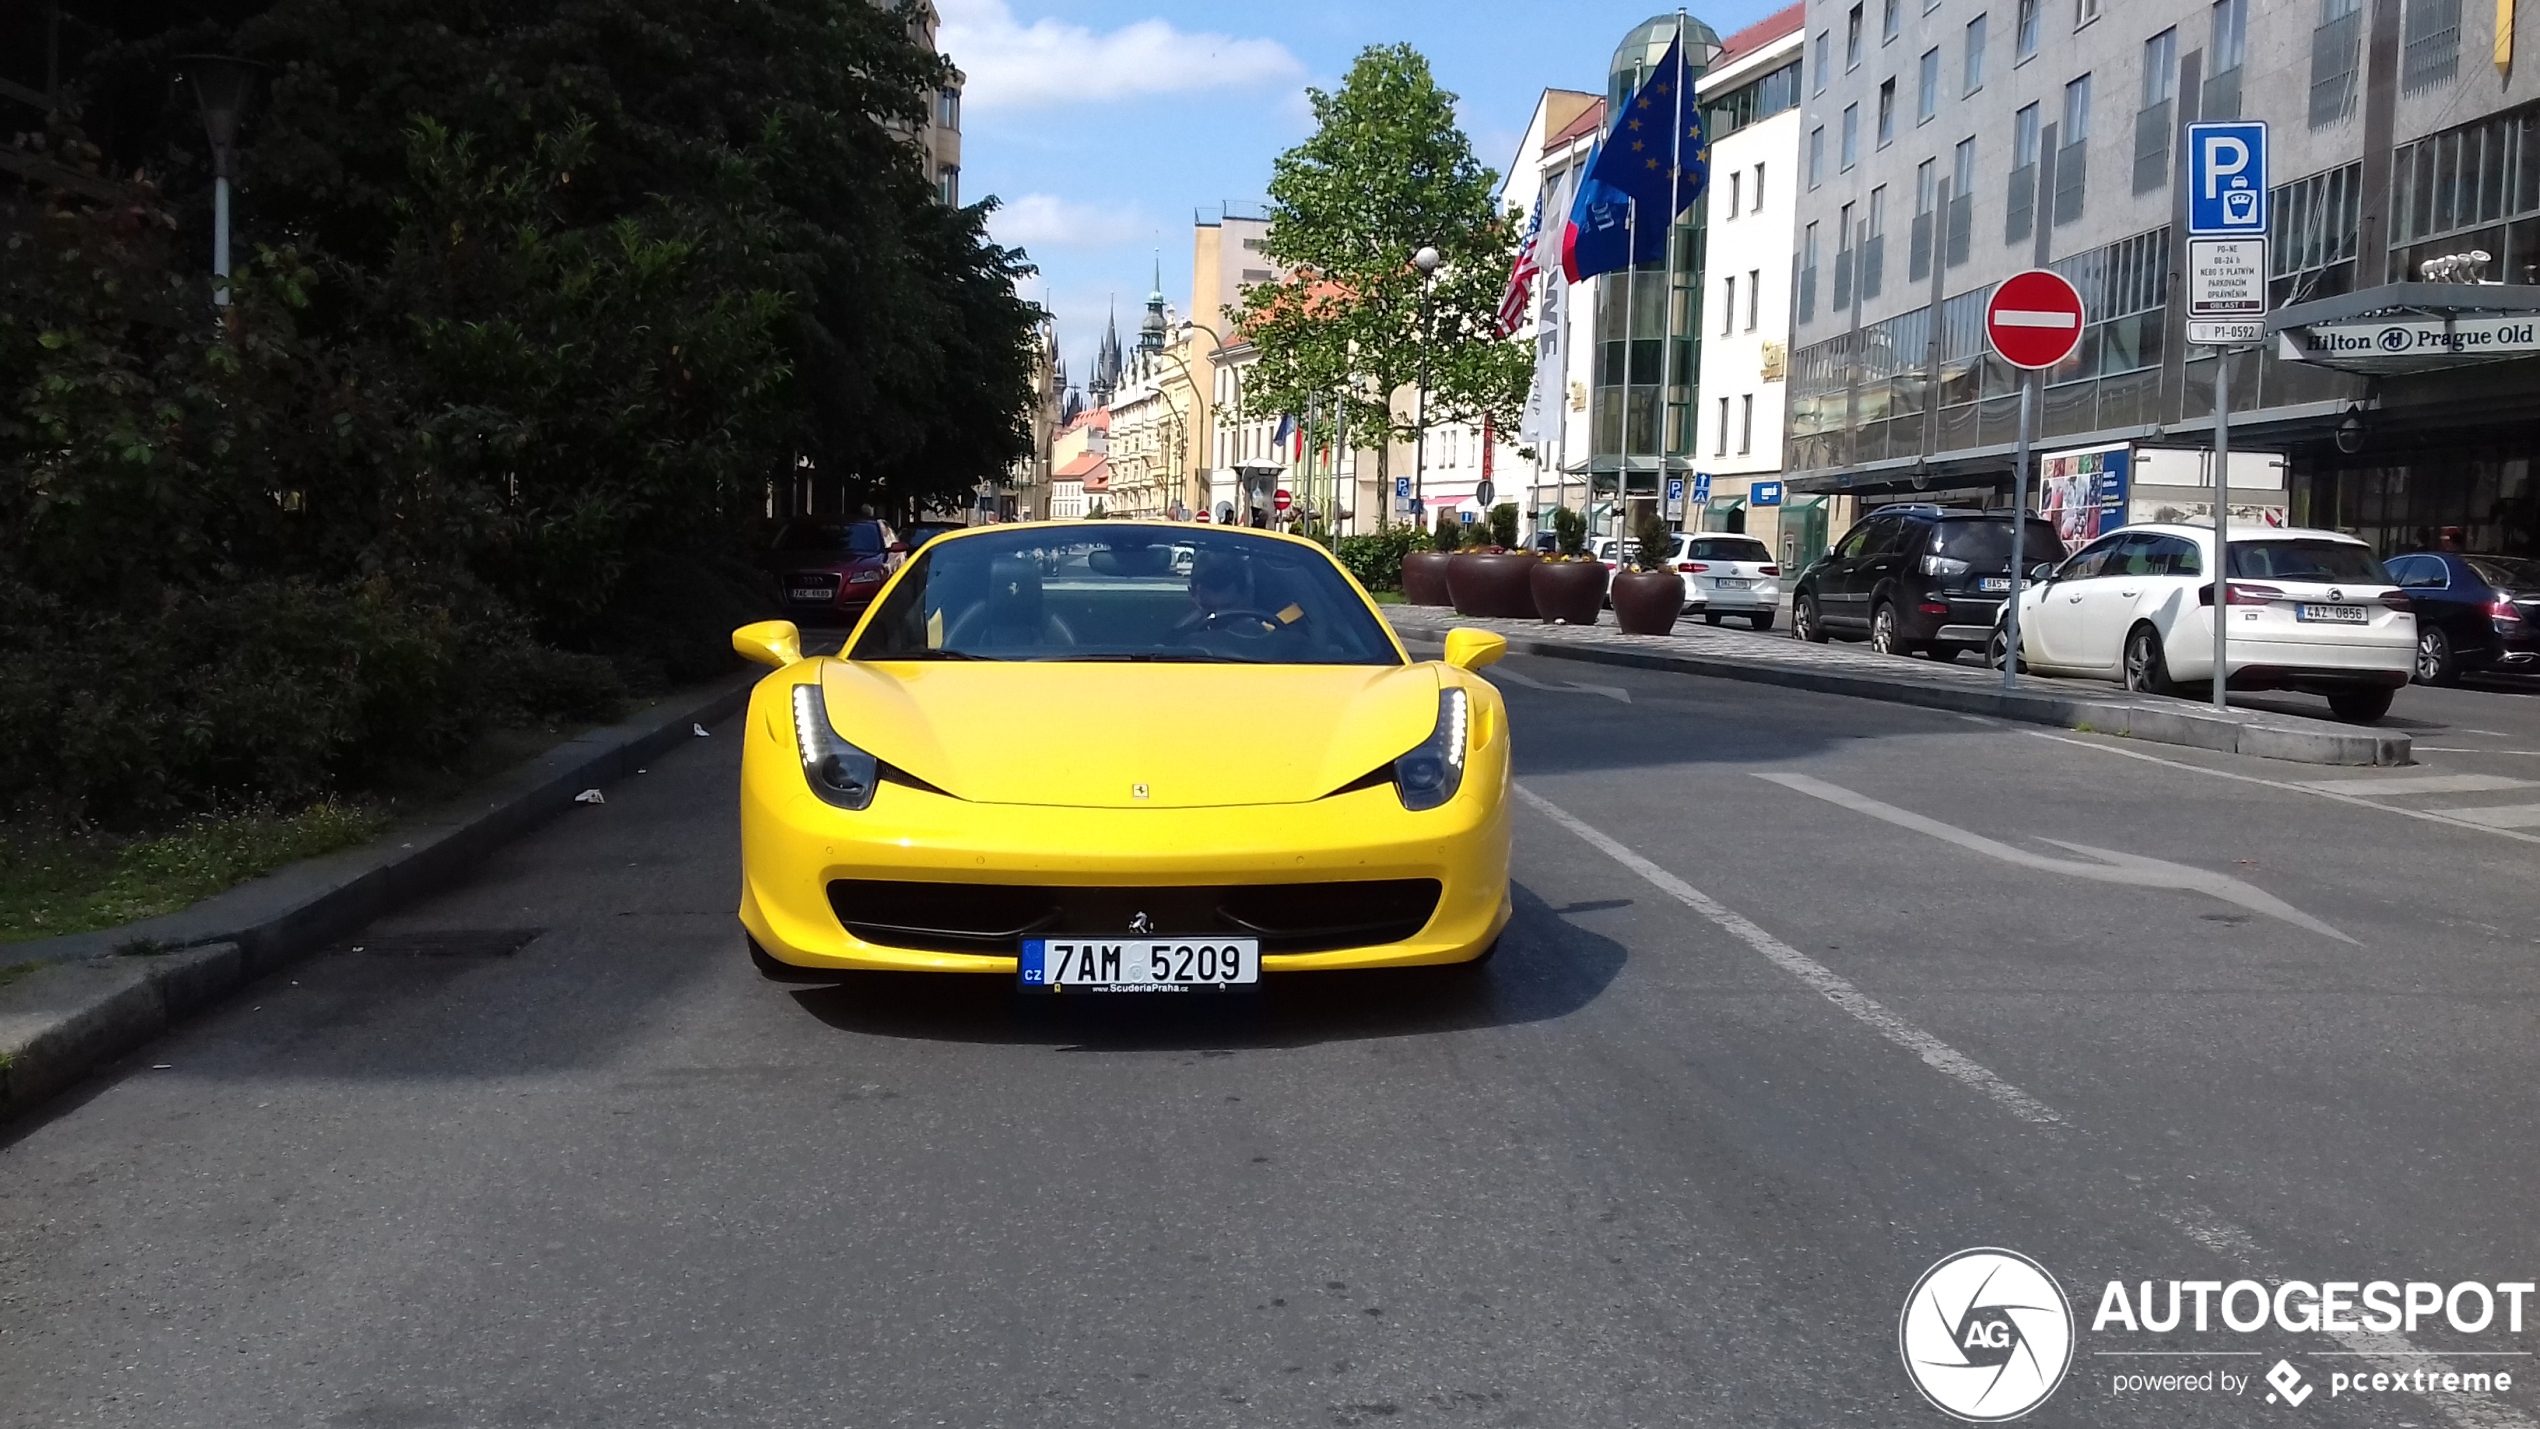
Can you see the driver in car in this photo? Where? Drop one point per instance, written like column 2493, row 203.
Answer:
column 1225, row 597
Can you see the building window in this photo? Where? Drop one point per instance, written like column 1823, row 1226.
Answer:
column 1962, row 201
column 2225, row 50
column 2314, row 221
column 1874, row 246
column 1927, row 88
column 1843, row 259
column 1851, row 137
column 1723, row 447
column 1754, row 296
column 2024, row 33
column 2430, row 54
column 1887, row 113
column 1808, row 274
column 2336, row 55
column 2084, row 11
column 1733, row 194
column 2152, row 122
column 1972, row 76
column 948, row 108
column 1816, row 156
column 1891, row 19
column 1825, row 58
column 1926, row 220
column 948, row 185
column 1852, row 40
column 1728, row 307
column 1759, row 189
column 2020, row 209
column 1746, row 429
column 2072, row 156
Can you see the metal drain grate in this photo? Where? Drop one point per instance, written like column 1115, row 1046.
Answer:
column 447, row 943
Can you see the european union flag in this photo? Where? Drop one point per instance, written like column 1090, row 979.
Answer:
column 1654, row 156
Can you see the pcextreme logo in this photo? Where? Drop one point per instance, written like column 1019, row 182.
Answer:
column 1986, row 1335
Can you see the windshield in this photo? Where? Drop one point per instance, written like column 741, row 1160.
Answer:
column 1986, row 545
column 1729, row 548
column 829, row 538
column 1128, row 592
column 2312, row 559
column 2511, row 572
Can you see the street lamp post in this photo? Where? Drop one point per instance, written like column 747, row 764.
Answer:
column 1426, row 260
column 222, row 85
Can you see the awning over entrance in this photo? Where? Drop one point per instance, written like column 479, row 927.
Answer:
column 2411, row 327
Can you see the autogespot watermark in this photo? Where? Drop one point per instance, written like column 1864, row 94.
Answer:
column 1987, row 1335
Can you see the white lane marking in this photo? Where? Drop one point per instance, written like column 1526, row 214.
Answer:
column 1938, row 1055
column 1566, row 687
column 2501, row 816
column 1979, row 719
column 2371, row 788
column 2289, row 787
column 2130, row 869
column 2033, row 317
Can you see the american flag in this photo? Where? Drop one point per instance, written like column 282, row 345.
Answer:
column 1521, row 275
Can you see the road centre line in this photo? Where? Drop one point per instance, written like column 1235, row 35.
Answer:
column 2286, row 785
column 2390, row 1352
column 1938, row 1055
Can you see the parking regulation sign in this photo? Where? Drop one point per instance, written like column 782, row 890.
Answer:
column 2227, row 179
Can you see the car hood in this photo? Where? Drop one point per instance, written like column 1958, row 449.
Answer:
column 1087, row 735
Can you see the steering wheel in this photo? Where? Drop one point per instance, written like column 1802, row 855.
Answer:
column 1231, row 621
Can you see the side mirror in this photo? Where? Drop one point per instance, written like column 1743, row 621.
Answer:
column 1469, row 649
column 770, row 642
column 2043, row 573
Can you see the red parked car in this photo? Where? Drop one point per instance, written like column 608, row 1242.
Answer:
column 828, row 569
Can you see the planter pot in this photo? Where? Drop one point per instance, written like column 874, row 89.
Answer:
column 1493, row 583
column 1568, row 592
column 1424, row 577
column 1648, row 602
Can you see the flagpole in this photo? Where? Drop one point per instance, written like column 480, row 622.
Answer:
column 1667, row 312
column 1631, row 306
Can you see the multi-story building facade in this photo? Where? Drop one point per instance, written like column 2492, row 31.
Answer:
column 939, row 139
column 1751, row 116
column 1950, row 143
column 1158, row 415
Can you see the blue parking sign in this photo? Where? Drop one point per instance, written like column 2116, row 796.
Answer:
column 1402, row 486
column 1702, row 486
column 2227, row 178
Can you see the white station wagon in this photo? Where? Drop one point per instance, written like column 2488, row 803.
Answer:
column 2309, row 610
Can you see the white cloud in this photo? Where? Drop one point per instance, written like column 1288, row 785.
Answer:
column 1011, row 65
column 1048, row 221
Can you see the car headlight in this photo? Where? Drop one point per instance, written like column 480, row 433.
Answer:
column 837, row 771
column 1431, row 773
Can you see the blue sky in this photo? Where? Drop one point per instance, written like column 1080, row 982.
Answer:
column 1103, row 125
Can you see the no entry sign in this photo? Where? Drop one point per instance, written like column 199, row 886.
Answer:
column 2034, row 319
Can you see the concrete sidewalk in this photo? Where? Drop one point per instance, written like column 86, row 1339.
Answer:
column 1775, row 658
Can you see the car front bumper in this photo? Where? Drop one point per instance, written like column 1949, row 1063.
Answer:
column 794, row 846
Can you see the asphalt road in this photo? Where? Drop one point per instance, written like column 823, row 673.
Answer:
column 1755, row 1053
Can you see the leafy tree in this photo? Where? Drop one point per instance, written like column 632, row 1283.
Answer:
column 1385, row 173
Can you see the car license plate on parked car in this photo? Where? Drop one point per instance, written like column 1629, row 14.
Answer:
column 1139, row 964
column 2332, row 614
column 1731, row 583
column 812, row 593
column 1994, row 583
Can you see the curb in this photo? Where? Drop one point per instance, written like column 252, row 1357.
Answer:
column 2160, row 721
column 104, row 993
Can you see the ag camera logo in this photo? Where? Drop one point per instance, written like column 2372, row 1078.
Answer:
column 1986, row 1335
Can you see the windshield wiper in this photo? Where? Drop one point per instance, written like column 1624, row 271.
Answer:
column 1176, row 657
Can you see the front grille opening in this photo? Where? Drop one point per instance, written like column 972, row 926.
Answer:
column 997, row 917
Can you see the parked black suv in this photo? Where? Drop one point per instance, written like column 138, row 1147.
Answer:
column 1910, row 578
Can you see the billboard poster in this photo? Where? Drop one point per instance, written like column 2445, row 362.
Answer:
column 2084, row 493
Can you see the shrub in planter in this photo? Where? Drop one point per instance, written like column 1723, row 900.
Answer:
column 1487, row 581
column 1424, row 572
column 1569, row 588
column 1649, row 597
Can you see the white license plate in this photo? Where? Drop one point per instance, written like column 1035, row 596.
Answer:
column 1994, row 583
column 813, row 594
column 1731, row 583
column 1139, row 964
column 2333, row 614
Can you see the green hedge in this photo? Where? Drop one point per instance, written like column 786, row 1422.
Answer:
column 1377, row 559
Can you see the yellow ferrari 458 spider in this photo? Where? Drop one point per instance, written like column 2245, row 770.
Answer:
column 1122, row 756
